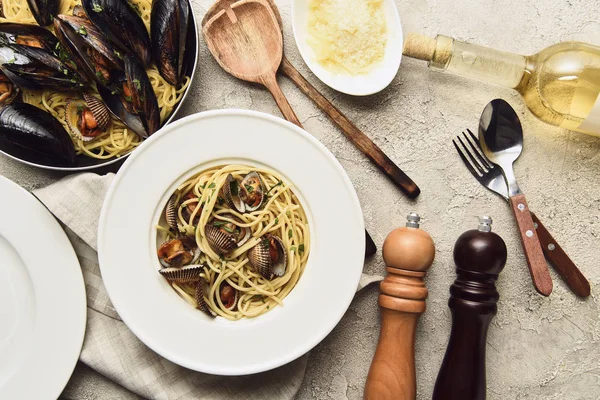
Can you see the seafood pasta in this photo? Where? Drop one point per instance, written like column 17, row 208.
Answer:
column 234, row 241
column 114, row 138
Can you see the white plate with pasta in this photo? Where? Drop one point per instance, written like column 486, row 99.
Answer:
column 231, row 242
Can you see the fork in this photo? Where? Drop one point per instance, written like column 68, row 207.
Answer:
column 490, row 176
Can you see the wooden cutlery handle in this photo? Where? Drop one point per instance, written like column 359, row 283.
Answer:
column 561, row 262
column 531, row 246
column 282, row 102
column 355, row 135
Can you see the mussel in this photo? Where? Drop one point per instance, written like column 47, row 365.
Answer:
column 269, row 257
column 178, row 252
column 43, row 10
column 28, row 35
column 228, row 295
column 34, row 68
column 8, row 90
column 87, row 47
column 168, row 30
column 246, row 196
column 121, row 81
column 201, row 289
column 134, row 101
column 34, row 135
column 189, row 273
column 224, row 236
column 87, row 118
column 122, row 24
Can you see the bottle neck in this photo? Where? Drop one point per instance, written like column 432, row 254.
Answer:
column 477, row 62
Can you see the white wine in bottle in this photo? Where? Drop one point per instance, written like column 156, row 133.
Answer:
column 560, row 84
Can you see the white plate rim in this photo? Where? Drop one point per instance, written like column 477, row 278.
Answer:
column 59, row 284
column 357, row 248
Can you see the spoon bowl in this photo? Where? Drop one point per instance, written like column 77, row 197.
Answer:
column 500, row 132
column 380, row 76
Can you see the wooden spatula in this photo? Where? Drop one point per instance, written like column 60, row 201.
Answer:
column 246, row 41
column 355, row 135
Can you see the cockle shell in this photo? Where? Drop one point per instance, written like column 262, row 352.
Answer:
column 262, row 258
column 189, row 273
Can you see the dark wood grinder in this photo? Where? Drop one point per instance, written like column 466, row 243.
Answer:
column 408, row 253
column 479, row 256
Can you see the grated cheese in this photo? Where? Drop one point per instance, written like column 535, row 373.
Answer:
column 347, row 36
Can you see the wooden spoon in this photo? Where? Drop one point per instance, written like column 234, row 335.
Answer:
column 355, row 135
column 246, row 41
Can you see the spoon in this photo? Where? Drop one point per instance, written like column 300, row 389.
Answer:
column 501, row 138
column 246, row 41
column 378, row 78
column 355, row 135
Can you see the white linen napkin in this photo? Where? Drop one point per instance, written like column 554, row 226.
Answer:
column 112, row 350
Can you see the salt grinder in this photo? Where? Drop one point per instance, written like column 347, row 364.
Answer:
column 408, row 253
column 479, row 256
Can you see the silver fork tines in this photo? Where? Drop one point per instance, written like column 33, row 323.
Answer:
column 486, row 173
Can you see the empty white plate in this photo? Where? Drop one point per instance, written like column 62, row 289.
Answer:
column 42, row 299
column 360, row 85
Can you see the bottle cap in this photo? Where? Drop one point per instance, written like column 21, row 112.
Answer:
column 485, row 224
column 412, row 220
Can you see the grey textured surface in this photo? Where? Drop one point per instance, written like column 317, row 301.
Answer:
column 538, row 348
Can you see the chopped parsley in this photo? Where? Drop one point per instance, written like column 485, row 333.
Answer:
column 289, row 215
column 249, row 188
column 212, row 185
column 82, row 31
column 228, row 229
column 97, row 8
column 11, row 61
column 276, row 221
column 118, row 54
column 137, row 84
column 128, row 98
column 79, row 109
column 290, row 233
column 203, row 186
column 301, row 248
column 293, row 248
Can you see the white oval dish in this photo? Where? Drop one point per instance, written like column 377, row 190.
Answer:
column 360, row 85
column 152, row 309
column 42, row 299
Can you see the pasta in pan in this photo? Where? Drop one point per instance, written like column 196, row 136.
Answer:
column 117, row 140
column 234, row 241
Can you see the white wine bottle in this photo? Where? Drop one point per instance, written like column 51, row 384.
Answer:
column 560, row 84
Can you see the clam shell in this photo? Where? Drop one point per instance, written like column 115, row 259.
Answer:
column 260, row 258
column 171, row 212
column 189, row 273
column 99, row 109
column 253, row 180
column 201, row 286
column 220, row 241
column 232, row 199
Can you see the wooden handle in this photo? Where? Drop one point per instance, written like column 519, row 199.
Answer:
column 392, row 375
column 531, row 246
column 561, row 262
column 270, row 83
column 356, row 136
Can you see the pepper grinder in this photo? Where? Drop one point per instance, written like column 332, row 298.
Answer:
column 408, row 253
column 479, row 256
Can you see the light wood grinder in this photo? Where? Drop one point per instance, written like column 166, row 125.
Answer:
column 479, row 256
column 408, row 253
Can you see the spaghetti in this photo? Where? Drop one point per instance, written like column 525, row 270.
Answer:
column 117, row 140
column 230, row 285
